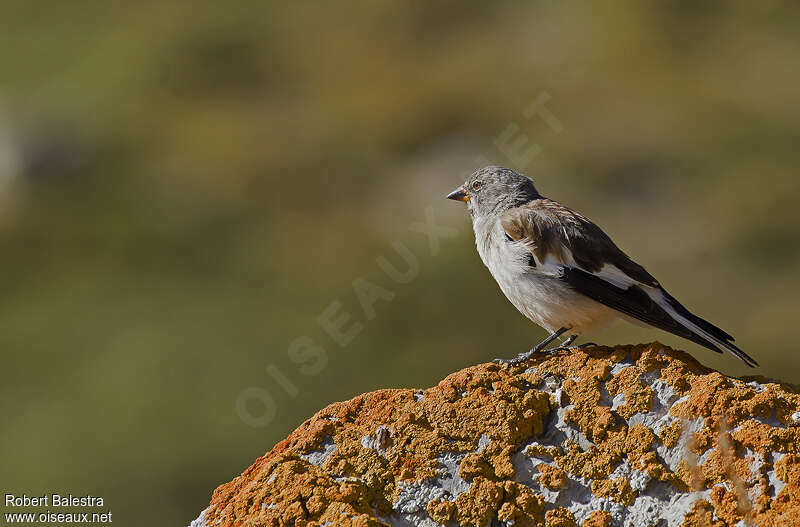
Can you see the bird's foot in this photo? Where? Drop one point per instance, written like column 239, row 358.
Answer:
column 522, row 357
column 536, row 349
column 568, row 348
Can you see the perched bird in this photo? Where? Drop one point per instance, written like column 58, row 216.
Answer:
column 563, row 272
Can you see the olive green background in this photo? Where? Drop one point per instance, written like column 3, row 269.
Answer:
column 185, row 187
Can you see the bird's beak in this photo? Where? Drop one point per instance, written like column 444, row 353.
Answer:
column 458, row 195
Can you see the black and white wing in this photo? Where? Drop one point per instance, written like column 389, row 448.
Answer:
column 573, row 249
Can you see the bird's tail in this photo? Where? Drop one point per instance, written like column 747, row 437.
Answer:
column 708, row 334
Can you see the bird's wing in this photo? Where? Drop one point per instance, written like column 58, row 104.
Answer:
column 568, row 246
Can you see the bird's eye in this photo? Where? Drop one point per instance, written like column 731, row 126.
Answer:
column 476, row 185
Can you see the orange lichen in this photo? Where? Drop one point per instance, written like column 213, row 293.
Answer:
column 598, row 519
column 670, row 434
column 618, row 489
column 354, row 461
column 520, row 505
column 638, row 396
column 441, row 510
column 559, row 518
column 479, row 504
column 701, row 515
column 551, row 477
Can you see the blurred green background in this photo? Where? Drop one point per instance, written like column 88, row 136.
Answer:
column 186, row 186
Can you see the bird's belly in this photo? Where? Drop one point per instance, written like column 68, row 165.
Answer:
column 550, row 303
column 542, row 297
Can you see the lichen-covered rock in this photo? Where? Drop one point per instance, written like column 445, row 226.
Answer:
column 626, row 436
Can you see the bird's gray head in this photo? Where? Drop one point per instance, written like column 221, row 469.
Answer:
column 494, row 190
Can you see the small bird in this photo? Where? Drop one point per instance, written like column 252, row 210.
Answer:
column 563, row 272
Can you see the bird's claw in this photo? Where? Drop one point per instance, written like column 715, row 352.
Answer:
column 568, row 348
column 522, row 357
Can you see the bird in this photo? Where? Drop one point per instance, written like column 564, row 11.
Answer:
column 564, row 273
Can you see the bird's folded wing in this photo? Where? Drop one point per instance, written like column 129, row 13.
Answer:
column 570, row 247
column 559, row 237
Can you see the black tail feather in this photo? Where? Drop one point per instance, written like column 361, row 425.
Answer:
column 705, row 325
column 635, row 302
column 721, row 337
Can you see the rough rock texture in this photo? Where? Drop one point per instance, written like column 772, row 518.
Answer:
column 626, row 436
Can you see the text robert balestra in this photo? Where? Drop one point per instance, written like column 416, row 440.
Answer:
column 53, row 500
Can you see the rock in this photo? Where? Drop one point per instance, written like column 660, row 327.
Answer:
column 626, row 436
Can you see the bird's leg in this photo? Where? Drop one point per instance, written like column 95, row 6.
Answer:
column 565, row 346
column 569, row 340
column 536, row 349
